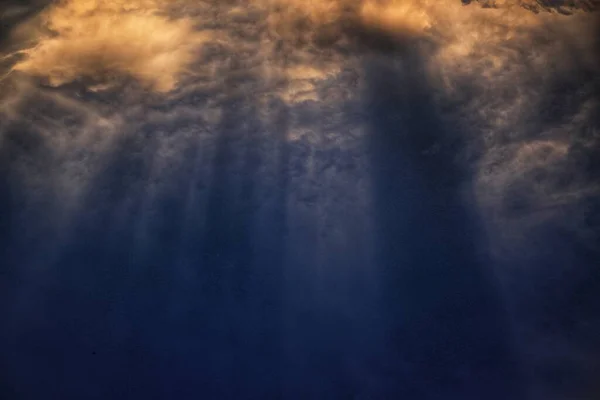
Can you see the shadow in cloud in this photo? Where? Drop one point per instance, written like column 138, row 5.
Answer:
column 240, row 269
column 141, row 301
column 74, row 305
column 555, row 280
column 447, row 334
column 14, row 13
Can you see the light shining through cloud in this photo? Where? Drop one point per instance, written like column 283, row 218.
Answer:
column 86, row 80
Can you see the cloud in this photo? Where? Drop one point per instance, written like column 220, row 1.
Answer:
column 104, row 41
column 522, row 86
column 494, row 66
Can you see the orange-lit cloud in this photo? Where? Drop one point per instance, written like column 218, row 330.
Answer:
column 103, row 41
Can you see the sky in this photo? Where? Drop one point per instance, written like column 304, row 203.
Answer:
column 299, row 199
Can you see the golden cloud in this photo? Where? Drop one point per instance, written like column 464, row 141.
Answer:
column 102, row 41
